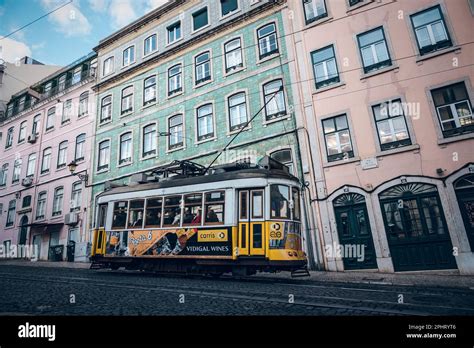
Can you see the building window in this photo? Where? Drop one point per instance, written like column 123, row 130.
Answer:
column 50, row 118
column 174, row 80
column 430, row 30
column 175, row 127
column 80, row 150
column 150, row 143
column 267, row 40
column 16, row 171
column 229, row 6
column 127, row 100
column 325, row 67
column 46, row 161
column 62, row 83
column 128, row 56
column 106, row 109
column 125, row 155
column 58, row 201
column 36, row 125
column 22, row 134
column 355, row 2
column 149, row 45
column 76, row 196
column 149, row 90
column 11, row 213
column 62, row 154
column 21, row 104
column 47, row 89
column 76, row 75
column 284, row 157
column 26, row 202
column 391, row 124
column 314, row 10
column 67, row 111
column 275, row 99
column 9, row 142
column 104, row 155
column 202, row 65
column 83, row 104
column 373, row 49
column 237, row 111
column 108, row 66
column 454, row 109
column 4, row 175
column 205, row 122
column 30, row 167
column 41, row 206
column 338, row 138
column 233, row 55
column 174, row 32
column 200, row 19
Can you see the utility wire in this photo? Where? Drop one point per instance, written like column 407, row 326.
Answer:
column 36, row 20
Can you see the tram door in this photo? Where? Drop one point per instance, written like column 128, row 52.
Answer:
column 251, row 222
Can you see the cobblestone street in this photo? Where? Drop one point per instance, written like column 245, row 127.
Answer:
column 62, row 291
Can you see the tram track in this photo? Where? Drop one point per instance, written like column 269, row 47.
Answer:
column 212, row 290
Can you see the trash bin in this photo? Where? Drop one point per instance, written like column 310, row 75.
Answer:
column 71, row 249
column 56, row 252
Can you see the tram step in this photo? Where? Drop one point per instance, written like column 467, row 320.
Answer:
column 302, row 272
column 95, row 265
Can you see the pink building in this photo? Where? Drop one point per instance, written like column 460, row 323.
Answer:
column 385, row 110
column 47, row 126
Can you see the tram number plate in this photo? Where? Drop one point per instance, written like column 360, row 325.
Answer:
column 276, row 230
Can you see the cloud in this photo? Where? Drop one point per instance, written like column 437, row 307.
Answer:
column 99, row 5
column 123, row 12
column 152, row 4
column 11, row 50
column 68, row 20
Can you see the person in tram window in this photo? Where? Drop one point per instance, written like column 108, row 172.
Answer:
column 212, row 216
column 197, row 219
column 139, row 221
column 177, row 219
column 188, row 216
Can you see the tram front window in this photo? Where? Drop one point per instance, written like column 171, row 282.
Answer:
column 135, row 213
column 296, row 204
column 153, row 212
column 280, row 197
column 172, row 211
column 120, row 215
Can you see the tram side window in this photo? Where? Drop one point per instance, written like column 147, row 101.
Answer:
column 192, row 209
column 296, row 204
column 214, row 208
column 172, row 211
column 280, row 196
column 102, row 215
column 120, row 215
column 135, row 213
column 153, row 212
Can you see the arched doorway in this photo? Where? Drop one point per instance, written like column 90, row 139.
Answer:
column 23, row 230
column 353, row 228
column 464, row 188
column 416, row 228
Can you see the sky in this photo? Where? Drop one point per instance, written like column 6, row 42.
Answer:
column 67, row 34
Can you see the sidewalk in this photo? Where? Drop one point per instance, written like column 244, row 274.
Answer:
column 450, row 279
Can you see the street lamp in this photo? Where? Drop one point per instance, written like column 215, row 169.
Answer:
column 72, row 168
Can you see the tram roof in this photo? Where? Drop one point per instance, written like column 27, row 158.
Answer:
column 175, row 181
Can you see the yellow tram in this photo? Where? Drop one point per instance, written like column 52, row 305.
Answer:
column 240, row 218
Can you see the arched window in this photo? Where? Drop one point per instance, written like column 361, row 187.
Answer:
column 125, row 150
column 106, row 109
column 80, row 147
column 83, row 104
column 205, row 123
column 46, row 161
column 284, row 156
column 62, row 154
column 103, row 157
column 58, row 201
column 175, row 129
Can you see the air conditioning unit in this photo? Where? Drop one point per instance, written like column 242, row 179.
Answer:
column 27, row 181
column 71, row 219
column 32, row 138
